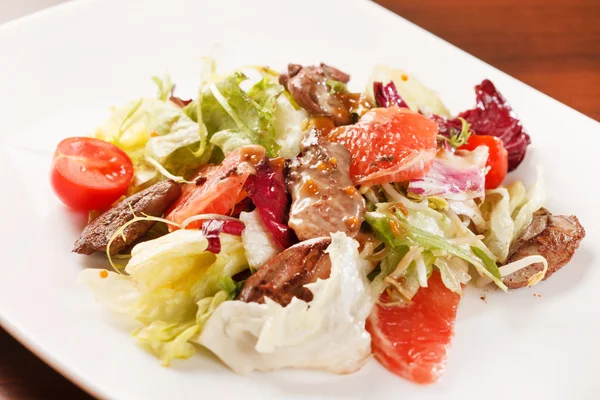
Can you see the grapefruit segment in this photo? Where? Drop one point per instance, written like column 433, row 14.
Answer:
column 388, row 145
column 412, row 341
column 218, row 188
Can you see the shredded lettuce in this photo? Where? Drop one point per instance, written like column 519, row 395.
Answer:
column 517, row 193
column 228, row 140
column 395, row 230
column 405, row 269
column 173, row 285
column 454, row 273
column 469, row 210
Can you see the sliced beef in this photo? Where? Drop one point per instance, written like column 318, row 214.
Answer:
column 324, row 199
column 284, row 277
column 153, row 201
column 555, row 237
column 308, row 86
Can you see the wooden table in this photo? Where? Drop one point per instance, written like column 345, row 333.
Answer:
column 553, row 45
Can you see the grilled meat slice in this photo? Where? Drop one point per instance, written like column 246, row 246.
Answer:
column 309, row 86
column 324, row 199
column 555, row 237
column 284, row 277
column 153, row 201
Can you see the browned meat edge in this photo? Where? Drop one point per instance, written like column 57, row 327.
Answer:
column 153, row 201
column 284, row 277
column 555, row 237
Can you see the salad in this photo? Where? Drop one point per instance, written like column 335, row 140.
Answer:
column 282, row 220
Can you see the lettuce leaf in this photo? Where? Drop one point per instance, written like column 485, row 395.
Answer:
column 174, row 284
column 454, row 272
column 290, row 124
column 414, row 93
column 260, row 114
column 228, row 140
column 258, row 241
column 454, row 176
column 396, row 231
column 509, row 210
column 500, row 227
column 248, row 115
column 265, row 337
column 157, row 129
column 534, row 200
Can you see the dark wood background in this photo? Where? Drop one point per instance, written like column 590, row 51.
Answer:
column 552, row 45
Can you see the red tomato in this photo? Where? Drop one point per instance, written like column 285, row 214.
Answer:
column 388, row 145
column 497, row 158
column 218, row 188
column 412, row 341
column 90, row 174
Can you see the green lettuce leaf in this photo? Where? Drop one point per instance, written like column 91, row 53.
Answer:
column 228, row 140
column 157, row 129
column 227, row 107
column 173, row 286
column 262, row 114
column 396, row 231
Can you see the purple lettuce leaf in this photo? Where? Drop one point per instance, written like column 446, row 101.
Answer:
column 267, row 191
column 493, row 116
column 453, row 175
column 387, row 95
column 214, row 227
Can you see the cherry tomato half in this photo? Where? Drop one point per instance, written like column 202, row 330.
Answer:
column 90, row 174
column 497, row 158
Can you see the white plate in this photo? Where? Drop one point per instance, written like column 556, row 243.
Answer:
column 61, row 69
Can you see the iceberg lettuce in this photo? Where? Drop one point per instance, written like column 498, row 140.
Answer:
column 265, row 337
column 508, row 211
column 174, row 284
column 258, row 241
column 156, row 129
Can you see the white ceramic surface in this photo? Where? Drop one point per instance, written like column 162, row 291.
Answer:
column 60, row 70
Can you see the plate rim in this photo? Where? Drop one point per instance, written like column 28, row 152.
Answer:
column 65, row 369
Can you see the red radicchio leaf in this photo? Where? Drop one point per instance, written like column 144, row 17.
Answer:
column 211, row 230
column 179, row 102
column 493, row 116
column 387, row 95
column 267, row 191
